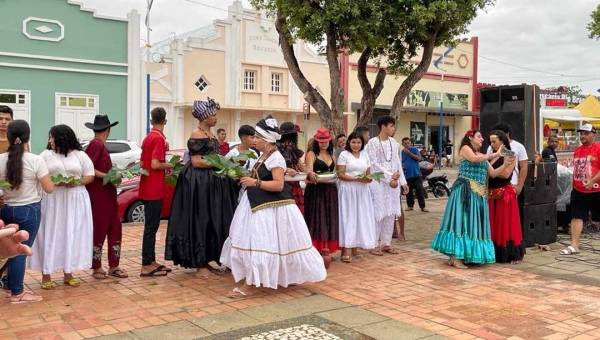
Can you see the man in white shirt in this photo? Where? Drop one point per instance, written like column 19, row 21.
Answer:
column 520, row 172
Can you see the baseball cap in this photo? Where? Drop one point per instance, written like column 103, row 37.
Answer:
column 587, row 128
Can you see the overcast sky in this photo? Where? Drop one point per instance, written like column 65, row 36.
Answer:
column 548, row 36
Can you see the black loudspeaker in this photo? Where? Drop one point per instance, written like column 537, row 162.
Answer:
column 540, row 185
column 517, row 105
column 538, row 223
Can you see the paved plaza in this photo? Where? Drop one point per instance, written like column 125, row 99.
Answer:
column 413, row 295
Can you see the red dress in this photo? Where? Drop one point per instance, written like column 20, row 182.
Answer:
column 105, row 210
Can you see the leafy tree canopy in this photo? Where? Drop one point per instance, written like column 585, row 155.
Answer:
column 594, row 26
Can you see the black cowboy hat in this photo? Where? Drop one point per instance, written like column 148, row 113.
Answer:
column 101, row 122
column 289, row 128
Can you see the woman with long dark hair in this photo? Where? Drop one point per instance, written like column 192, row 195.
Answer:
column 504, row 209
column 203, row 204
column 269, row 244
column 357, row 217
column 28, row 175
column 464, row 233
column 321, row 199
column 65, row 238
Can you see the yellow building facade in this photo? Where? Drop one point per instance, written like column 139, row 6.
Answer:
column 238, row 62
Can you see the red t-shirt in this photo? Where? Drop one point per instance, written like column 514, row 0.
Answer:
column 224, row 149
column 586, row 164
column 154, row 146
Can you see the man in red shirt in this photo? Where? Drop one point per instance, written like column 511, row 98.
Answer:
column 152, row 190
column 223, row 145
column 585, row 197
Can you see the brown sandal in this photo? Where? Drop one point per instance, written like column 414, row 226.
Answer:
column 100, row 275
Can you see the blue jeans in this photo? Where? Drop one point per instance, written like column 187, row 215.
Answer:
column 28, row 218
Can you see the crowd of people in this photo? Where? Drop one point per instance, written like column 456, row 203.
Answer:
column 66, row 222
column 264, row 227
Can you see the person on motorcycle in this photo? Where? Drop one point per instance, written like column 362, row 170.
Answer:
column 410, row 162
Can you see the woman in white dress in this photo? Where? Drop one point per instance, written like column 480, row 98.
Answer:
column 269, row 244
column 64, row 241
column 357, row 219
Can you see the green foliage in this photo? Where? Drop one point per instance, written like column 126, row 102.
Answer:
column 230, row 166
column 59, row 179
column 4, row 185
column 177, row 166
column 376, row 176
column 594, row 26
column 115, row 175
column 394, row 29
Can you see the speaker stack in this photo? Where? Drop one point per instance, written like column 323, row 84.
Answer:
column 518, row 105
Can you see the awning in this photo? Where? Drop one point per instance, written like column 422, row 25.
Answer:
column 590, row 107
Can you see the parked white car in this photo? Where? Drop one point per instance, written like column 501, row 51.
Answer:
column 122, row 152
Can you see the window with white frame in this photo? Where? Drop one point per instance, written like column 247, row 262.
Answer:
column 249, row 80
column 276, row 82
column 202, row 83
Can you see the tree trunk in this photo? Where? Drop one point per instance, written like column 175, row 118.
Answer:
column 330, row 116
column 369, row 93
column 414, row 77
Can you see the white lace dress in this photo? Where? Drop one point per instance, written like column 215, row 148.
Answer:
column 384, row 157
column 64, row 240
column 357, row 219
column 271, row 246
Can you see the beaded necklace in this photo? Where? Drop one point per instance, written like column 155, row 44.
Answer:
column 383, row 150
column 212, row 140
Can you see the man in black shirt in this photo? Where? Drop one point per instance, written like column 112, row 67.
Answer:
column 548, row 153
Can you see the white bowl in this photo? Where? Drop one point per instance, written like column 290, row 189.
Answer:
column 300, row 176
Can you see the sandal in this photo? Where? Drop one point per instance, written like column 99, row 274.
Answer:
column 120, row 273
column 48, row 285
column 158, row 271
column 25, row 297
column 100, row 275
column 401, row 238
column 376, row 252
column 236, row 293
column 216, row 271
column 73, row 282
column 346, row 258
column 390, row 251
column 570, row 250
column 457, row 264
column 424, row 210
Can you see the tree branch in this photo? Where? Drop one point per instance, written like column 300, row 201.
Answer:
column 312, row 96
column 415, row 76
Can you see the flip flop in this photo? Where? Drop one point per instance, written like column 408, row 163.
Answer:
column 570, row 250
column 390, row 251
column 236, row 293
column 120, row 273
column 100, row 275
column 376, row 252
column 154, row 272
column 18, row 299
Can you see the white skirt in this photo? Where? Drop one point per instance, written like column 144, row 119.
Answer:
column 357, row 219
column 271, row 247
column 64, row 240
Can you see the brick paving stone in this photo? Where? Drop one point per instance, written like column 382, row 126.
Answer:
column 415, row 287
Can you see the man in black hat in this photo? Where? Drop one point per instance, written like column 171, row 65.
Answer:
column 105, row 210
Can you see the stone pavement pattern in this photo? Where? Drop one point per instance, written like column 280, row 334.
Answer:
column 414, row 295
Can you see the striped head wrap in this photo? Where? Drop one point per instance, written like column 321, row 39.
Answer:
column 204, row 109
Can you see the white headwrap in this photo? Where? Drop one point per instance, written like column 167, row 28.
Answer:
column 267, row 129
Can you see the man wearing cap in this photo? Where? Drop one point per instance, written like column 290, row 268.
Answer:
column 105, row 209
column 585, row 197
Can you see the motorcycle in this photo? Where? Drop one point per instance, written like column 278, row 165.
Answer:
column 438, row 185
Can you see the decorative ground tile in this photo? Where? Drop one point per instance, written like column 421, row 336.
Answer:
column 309, row 327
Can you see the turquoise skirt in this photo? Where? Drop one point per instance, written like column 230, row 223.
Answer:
column 465, row 228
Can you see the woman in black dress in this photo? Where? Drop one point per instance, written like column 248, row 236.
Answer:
column 321, row 199
column 288, row 147
column 203, row 204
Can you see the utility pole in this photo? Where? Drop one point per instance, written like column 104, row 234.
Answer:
column 148, row 45
column 436, row 64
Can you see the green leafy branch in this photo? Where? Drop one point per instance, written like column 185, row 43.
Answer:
column 177, row 166
column 230, row 166
column 5, row 185
column 70, row 180
column 376, row 176
column 115, row 175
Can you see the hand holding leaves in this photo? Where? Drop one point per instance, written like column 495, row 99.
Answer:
column 115, row 175
column 177, row 166
column 376, row 176
column 61, row 180
column 230, row 167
